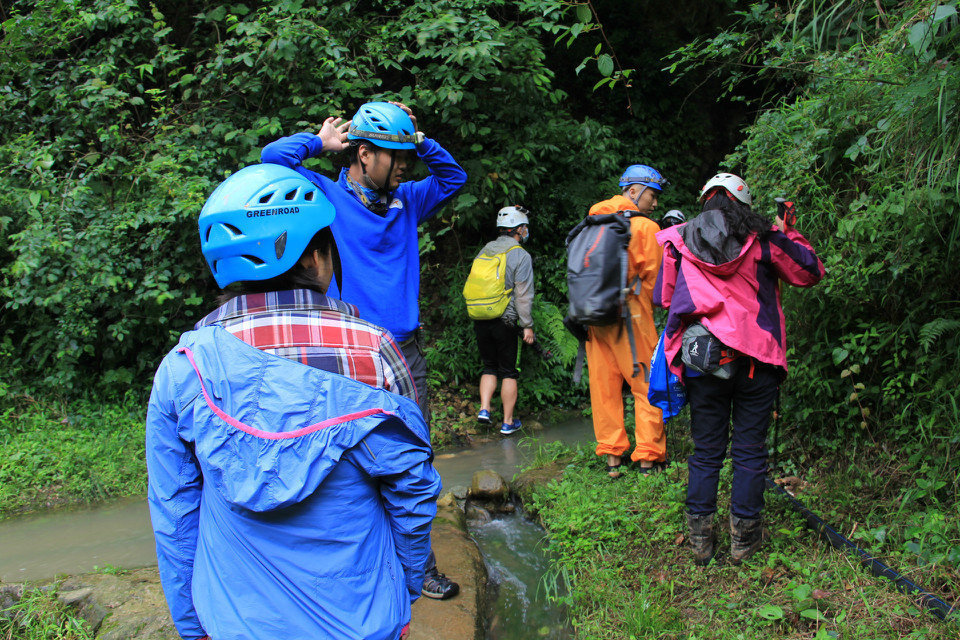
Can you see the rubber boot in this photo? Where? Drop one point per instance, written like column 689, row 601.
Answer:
column 702, row 537
column 746, row 536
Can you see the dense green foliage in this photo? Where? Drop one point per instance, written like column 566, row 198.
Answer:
column 55, row 453
column 619, row 548
column 118, row 118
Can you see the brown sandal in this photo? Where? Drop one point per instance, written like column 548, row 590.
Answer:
column 613, row 470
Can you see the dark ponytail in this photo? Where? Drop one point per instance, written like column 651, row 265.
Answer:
column 740, row 218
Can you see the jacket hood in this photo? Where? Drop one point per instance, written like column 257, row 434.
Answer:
column 268, row 430
column 705, row 241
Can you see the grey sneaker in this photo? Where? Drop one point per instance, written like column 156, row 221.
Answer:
column 702, row 537
column 746, row 536
column 438, row 586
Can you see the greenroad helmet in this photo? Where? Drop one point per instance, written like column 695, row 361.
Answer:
column 258, row 222
column 384, row 125
column 733, row 184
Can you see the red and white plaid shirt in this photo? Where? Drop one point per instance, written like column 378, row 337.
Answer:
column 317, row 331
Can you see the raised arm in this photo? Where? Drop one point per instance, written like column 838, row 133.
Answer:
column 447, row 177
column 794, row 259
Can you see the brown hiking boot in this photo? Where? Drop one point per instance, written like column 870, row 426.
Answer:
column 746, row 536
column 702, row 537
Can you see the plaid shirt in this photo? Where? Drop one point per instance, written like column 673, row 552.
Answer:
column 318, row 331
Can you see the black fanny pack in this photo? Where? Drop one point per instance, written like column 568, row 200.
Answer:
column 704, row 353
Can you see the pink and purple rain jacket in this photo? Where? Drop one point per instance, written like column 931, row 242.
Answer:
column 732, row 289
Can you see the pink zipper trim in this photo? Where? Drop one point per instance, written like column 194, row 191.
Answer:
column 269, row 435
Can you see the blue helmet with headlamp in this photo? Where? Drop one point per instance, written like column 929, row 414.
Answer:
column 385, row 125
column 643, row 175
column 258, row 222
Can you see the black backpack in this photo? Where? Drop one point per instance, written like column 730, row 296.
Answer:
column 597, row 278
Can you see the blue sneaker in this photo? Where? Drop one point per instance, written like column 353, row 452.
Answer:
column 507, row 429
column 483, row 416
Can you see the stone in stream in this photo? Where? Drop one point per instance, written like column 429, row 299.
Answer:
column 489, row 485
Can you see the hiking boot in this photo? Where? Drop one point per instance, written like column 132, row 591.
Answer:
column 483, row 416
column 438, row 586
column 506, row 429
column 702, row 537
column 746, row 536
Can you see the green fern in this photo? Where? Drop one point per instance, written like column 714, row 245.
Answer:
column 548, row 320
column 933, row 330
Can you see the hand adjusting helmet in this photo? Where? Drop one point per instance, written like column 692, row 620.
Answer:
column 384, row 125
column 734, row 185
column 258, row 222
column 512, row 216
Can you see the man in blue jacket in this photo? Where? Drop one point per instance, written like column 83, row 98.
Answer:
column 376, row 226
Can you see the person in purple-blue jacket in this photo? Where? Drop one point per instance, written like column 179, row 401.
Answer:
column 378, row 212
column 290, row 482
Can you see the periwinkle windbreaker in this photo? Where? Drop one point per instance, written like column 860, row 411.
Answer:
column 380, row 253
column 733, row 290
column 287, row 501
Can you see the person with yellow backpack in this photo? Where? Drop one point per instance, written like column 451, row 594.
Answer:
column 499, row 297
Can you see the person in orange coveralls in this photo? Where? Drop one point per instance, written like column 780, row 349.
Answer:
column 609, row 357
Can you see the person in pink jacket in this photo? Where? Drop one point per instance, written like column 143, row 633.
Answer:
column 725, row 336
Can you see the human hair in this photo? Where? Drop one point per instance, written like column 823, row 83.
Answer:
column 740, row 218
column 352, row 150
column 509, row 231
column 294, row 278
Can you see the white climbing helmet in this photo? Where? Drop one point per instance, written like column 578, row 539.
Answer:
column 734, row 184
column 512, row 216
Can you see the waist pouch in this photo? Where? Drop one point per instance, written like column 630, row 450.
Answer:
column 704, row 353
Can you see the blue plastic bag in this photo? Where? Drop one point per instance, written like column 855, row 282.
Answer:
column 666, row 390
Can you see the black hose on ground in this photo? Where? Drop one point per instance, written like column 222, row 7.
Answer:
column 934, row 604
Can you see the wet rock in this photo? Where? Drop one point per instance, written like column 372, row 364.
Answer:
column 460, row 492
column 10, row 595
column 125, row 606
column 476, row 513
column 489, row 485
column 533, row 425
column 447, row 499
column 74, row 598
column 525, row 483
column 459, row 618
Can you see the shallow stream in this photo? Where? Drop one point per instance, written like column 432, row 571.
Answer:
column 118, row 534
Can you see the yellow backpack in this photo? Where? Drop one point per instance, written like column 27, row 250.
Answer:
column 484, row 291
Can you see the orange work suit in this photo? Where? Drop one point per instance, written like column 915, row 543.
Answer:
column 609, row 358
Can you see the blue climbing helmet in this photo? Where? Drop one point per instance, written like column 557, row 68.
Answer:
column 643, row 174
column 258, row 222
column 385, row 125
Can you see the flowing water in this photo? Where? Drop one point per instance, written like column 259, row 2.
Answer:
column 118, row 534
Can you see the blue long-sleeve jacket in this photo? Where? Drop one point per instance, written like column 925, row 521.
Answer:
column 380, row 254
column 287, row 501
